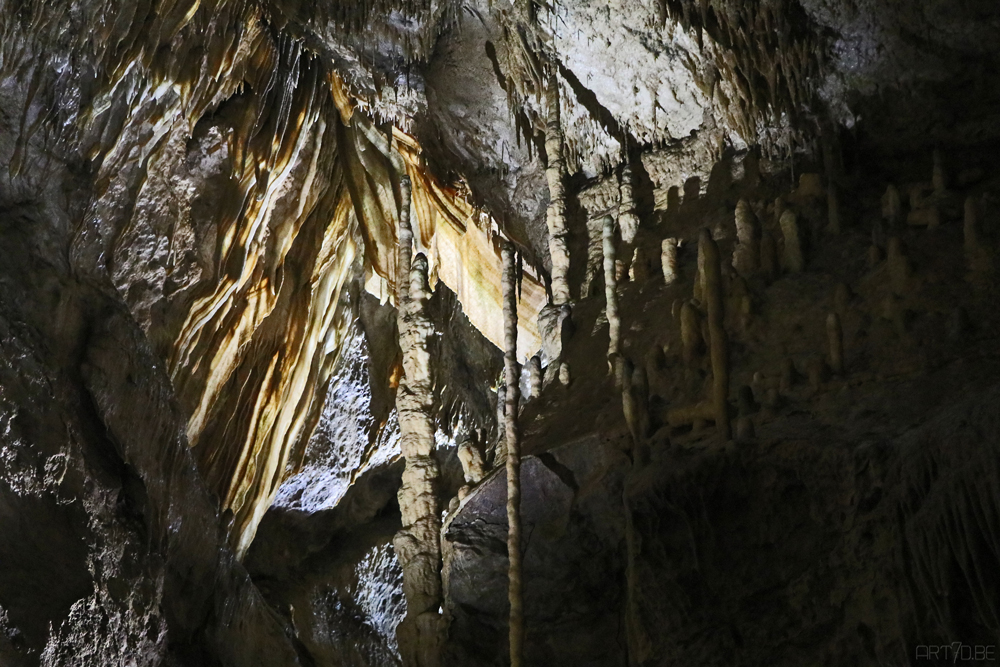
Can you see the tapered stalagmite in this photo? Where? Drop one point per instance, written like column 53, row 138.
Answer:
column 668, row 260
column 535, row 370
column 691, row 338
column 512, row 373
column 892, row 206
column 836, row 340
column 628, row 219
column 611, row 287
column 717, row 332
column 556, row 213
column 746, row 255
column 792, row 260
column 471, row 458
column 417, row 544
column 635, row 403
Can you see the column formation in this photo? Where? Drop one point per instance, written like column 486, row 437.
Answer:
column 418, row 543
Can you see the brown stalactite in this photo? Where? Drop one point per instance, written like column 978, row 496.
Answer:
column 512, row 372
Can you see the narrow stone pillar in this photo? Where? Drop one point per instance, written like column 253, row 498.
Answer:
column 668, row 260
column 556, row 213
column 535, row 369
column 628, row 219
column 717, row 332
column 418, row 543
column 512, row 371
column 553, row 320
column 611, row 289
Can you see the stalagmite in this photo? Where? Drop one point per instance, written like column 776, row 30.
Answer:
column 668, row 260
column 565, row 378
column 513, row 373
column 691, row 338
column 555, row 326
column 535, row 372
column 611, row 288
column 690, row 414
column 836, row 339
column 639, row 271
column 628, row 220
column 929, row 216
column 746, row 255
column 471, row 459
column 717, row 332
column 892, row 206
column 792, row 260
column 768, row 257
column 939, row 178
column 417, row 544
column 556, row 213
column 635, row 396
column 818, row 373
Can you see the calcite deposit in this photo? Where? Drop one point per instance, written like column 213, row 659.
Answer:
column 436, row 333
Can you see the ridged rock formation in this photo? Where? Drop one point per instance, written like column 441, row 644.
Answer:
column 271, row 272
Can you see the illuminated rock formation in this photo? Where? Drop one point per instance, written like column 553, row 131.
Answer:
column 262, row 325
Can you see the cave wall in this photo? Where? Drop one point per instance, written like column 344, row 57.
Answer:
column 198, row 210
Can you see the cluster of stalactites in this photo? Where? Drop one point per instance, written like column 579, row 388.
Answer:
column 764, row 61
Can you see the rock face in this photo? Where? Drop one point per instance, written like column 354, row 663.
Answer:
column 573, row 538
column 201, row 355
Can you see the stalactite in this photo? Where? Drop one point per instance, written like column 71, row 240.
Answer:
column 513, row 373
column 717, row 333
column 611, row 289
column 668, row 260
column 417, row 544
column 556, row 213
column 628, row 219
